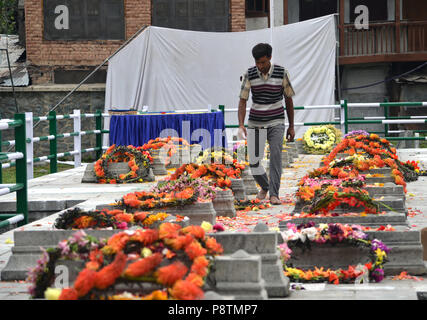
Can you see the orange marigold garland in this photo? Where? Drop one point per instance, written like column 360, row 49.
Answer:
column 135, row 158
column 175, row 257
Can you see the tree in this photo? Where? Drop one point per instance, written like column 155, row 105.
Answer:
column 8, row 13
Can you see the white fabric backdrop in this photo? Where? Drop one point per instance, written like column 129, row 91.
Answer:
column 169, row 69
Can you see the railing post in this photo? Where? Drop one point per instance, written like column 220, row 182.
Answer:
column 77, row 139
column 386, row 127
column 98, row 126
column 21, row 169
column 222, row 108
column 30, row 144
column 1, row 169
column 53, row 145
column 344, row 116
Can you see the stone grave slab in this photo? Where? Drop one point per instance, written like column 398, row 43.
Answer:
column 249, row 182
column 370, row 220
column 238, row 189
column 239, row 275
column 224, row 204
column 263, row 243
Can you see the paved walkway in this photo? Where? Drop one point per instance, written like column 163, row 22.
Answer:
column 66, row 186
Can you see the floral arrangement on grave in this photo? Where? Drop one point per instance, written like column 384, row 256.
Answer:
column 170, row 262
column 139, row 163
column 251, row 205
column 373, row 152
column 77, row 218
column 341, row 182
column 321, row 139
column 336, row 234
column 240, row 152
column 217, row 167
column 169, row 145
column 147, row 200
column 205, row 190
column 323, row 196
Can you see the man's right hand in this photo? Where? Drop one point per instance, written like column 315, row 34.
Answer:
column 242, row 133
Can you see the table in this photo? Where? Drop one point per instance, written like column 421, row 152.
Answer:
column 206, row 129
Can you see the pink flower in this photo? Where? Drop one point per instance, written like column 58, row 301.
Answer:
column 218, row 227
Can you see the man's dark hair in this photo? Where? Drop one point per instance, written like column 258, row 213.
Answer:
column 262, row 50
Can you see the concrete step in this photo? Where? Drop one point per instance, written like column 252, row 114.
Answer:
column 370, row 220
column 406, row 253
column 385, row 202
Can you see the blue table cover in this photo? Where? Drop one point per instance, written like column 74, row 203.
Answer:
column 137, row 130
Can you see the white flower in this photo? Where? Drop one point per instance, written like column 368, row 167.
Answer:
column 310, row 233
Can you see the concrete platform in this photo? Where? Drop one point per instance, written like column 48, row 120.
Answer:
column 65, row 186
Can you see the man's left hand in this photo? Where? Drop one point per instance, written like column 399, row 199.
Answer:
column 290, row 134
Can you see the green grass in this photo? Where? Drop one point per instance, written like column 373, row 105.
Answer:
column 39, row 170
column 423, row 143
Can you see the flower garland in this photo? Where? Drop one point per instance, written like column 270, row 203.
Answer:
column 143, row 200
column 176, row 259
column 135, row 158
column 320, row 139
column 219, row 174
column 379, row 153
column 168, row 144
column 251, row 205
column 101, row 219
column 205, row 191
column 334, row 233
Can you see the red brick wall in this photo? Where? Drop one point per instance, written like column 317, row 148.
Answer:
column 238, row 20
column 43, row 55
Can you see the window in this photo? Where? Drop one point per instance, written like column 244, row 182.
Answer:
column 197, row 15
column 257, row 8
column 310, row 9
column 377, row 9
column 86, row 20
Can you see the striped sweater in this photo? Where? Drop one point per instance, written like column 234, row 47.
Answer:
column 267, row 95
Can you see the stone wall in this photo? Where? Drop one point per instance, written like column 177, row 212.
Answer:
column 40, row 99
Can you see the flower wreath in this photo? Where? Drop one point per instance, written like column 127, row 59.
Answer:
column 175, row 259
column 320, row 139
column 135, row 158
column 152, row 200
column 334, row 233
column 378, row 153
column 206, row 191
column 219, row 173
column 117, row 219
column 168, row 144
column 251, row 205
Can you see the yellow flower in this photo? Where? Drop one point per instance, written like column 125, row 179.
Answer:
column 146, row 252
column 52, row 293
column 380, row 256
column 206, row 226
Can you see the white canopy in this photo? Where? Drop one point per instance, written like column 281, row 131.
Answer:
column 169, row 69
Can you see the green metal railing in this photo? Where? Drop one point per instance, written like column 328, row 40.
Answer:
column 54, row 137
column 21, row 185
column 345, row 120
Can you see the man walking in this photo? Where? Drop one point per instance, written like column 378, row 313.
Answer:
column 269, row 83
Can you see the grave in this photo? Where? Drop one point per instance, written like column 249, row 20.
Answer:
column 238, row 189
column 158, row 165
column 264, row 243
column 239, row 275
column 116, row 169
column 224, row 204
column 196, row 212
column 249, row 182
